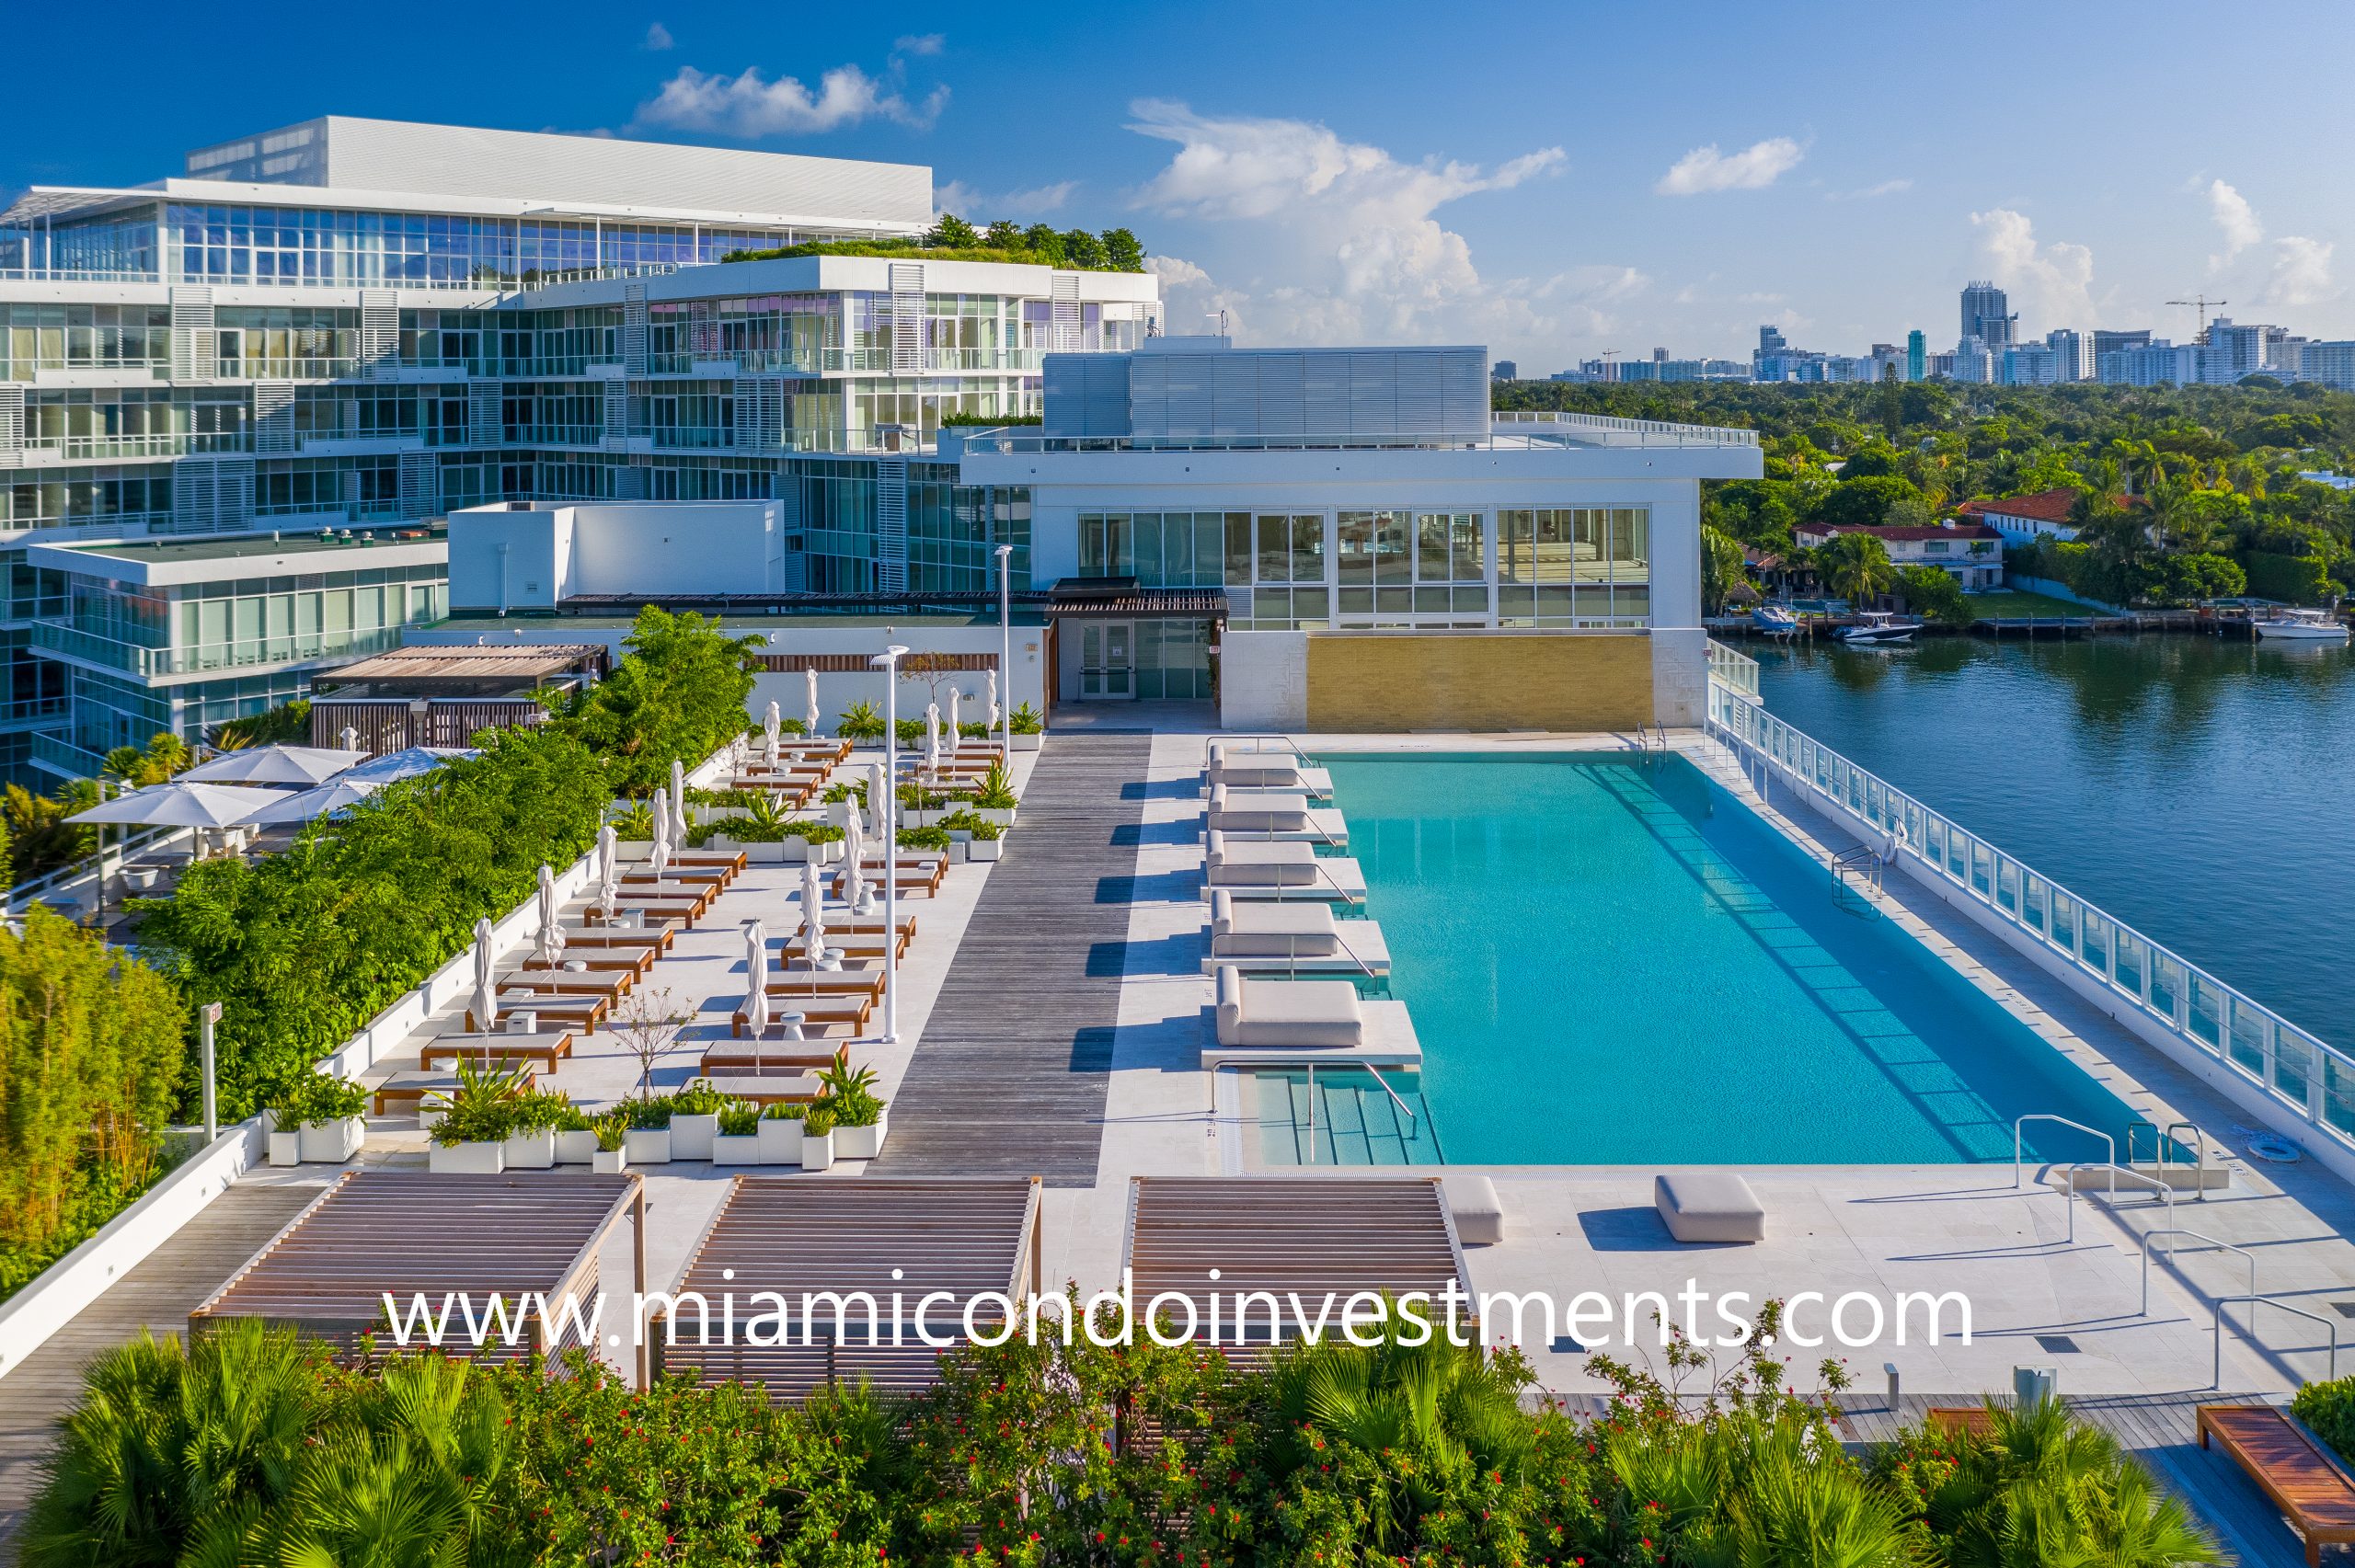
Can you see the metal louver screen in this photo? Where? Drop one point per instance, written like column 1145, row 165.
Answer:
column 1063, row 306
column 485, row 422
column 196, row 346
column 380, row 327
column 634, row 329
column 615, row 409
column 907, row 317
column 421, row 482
column 275, row 416
column 891, row 524
column 11, row 424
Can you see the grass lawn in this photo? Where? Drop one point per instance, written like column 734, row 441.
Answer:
column 2011, row 602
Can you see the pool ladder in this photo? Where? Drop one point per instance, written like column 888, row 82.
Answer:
column 1864, row 862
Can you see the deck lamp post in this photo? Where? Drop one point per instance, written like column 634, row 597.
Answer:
column 208, row 1016
column 1006, row 645
column 887, row 830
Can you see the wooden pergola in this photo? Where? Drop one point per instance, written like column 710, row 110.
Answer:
column 803, row 1238
column 411, row 1233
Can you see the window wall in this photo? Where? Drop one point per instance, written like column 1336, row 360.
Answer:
column 1583, row 566
column 55, row 337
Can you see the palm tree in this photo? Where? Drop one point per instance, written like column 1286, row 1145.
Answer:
column 1855, row 567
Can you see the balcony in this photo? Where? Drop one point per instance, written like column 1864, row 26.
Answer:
column 306, row 368
column 61, row 756
column 150, row 663
column 111, row 447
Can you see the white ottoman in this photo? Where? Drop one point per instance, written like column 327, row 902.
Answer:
column 1709, row 1205
column 1479, row 1213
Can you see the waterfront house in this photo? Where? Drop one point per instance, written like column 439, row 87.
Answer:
column 1972, row 553
column 2019, row 518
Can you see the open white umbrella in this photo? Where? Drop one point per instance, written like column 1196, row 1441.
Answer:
column 660, row 855
column 551, row 919
column 182, row 804
column 486, row 1008
column 956, row 725
column 772, row 723
column 408, row 763
column 678, row 801
column 993, row 689
column 756, row 983
column 857, row 892
column 810, row 710
column 276, row 764
column 335, row 795
column 609, row 869
column 813, row 912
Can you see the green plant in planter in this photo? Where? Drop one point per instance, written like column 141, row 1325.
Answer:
column 785, row 1111
column 847, row 1092
column 966, row 822
column 818, row 1120
column 613, row 1130
column 699, row 1099
column 792, row 727
column 648, row 1113
column 860, row 722
column 571, row 1117
column 974, row 731
column 483, row 1107
column 314, row 1098
column 1026, row 720
column 924, row 838
column 910, row 734
column 996, row 792
column 742, row 1119
column 535, row 1110
column 637, row 823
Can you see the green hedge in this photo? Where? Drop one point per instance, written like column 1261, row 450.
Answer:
column 2299, row 580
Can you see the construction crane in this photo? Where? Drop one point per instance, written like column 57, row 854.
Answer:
column 2200, row 304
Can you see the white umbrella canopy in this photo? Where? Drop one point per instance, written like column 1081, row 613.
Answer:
column 856, row 891
column 277, row 765
column 876, row 786
column 407, row 763
column 756, row 978
column 609, row 868
column 660, row 808
column 551, row 919
column 678, row 801
column 485, row 1000
column 932, row 735
column 993, row 689
column 809, row 709
column 956, row 708
column 813, row 912
column 308, row 805
column 182, row 804
column 772, row 723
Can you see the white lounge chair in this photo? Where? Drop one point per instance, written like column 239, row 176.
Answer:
column 1314, row 1014
column 1237, row 864
column 1257, row 812
column 1263, row 770
column 1272, row 931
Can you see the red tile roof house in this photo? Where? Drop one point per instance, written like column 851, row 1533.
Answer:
column 2022, row 518
column 1971, row 553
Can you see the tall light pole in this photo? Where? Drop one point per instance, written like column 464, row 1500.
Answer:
column 1005, row 645
column 888, row 829
column 208, row 1016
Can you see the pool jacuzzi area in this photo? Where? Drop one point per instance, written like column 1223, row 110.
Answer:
column 1610, row 959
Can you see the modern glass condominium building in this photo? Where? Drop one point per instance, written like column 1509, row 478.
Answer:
column 361, row 324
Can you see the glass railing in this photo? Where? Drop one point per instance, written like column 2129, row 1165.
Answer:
column 175, row 444
column 139, row 658
column 304, row 368
column 1734, row 668
column 24, row 367
column 58, row 752
column 2180, row 1000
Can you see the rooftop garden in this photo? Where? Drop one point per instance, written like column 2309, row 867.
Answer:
column 254, row 1446
column 951, row 238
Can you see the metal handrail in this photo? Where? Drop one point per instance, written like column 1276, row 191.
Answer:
column 2165, row 1140
column 1311, row 1068
column 2151, row 1236
column 2068, row 1188
column 1292, row 955
column 2216, row 1331
column 2018, row 1143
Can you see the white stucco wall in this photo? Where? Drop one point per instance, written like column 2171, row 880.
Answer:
column 1263, row 680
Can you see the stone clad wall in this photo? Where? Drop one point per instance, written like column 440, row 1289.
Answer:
column 1389, row 682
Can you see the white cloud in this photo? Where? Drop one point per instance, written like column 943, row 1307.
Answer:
column 1870, row 193
column 1706, row 169
column 2054, row 281
column 2301, row 272
column 657, row 38
column 2237, row 218
column 920, row 43
column 750, row 106
column 979, row 207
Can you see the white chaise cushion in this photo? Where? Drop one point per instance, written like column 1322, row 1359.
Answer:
column 1272, row 931
column 1709, row 1205
column 1479, row 1213
column 1322, row 1014
column 1234, row 864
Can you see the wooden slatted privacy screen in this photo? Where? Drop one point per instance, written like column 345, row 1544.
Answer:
column 798, row 1237
column 413, row 1231
column 856, row 663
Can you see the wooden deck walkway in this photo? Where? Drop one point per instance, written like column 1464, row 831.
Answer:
column 1011, row 1076
column 158, row 1294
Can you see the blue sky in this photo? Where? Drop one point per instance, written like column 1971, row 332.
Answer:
column 1553, row 181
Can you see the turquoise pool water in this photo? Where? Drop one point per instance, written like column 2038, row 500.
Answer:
column 1611, row 961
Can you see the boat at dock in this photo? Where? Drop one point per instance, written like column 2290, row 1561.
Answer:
column 1878, row 628
column 1776, row 621
column 2301, row 626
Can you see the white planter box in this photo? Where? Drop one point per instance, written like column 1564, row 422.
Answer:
column 863, row 1142
column 957, row 851
column 331, row 1143
column 609, row 1161
column 780, row 1140
column 998, row 817
column 985, row 849
column 816, row 1153
column 534, row 1150
column 484, row 1159
column 727, row 1151
column 286, row 1148
column 647, row 1145
column 637, row 849
column 1029, row 742
column 576, row 1147
column 691, row 1136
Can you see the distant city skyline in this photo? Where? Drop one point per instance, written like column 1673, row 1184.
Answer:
column 1392, row 181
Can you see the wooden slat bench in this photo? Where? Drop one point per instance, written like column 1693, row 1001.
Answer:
column 581, row 1012
column 2312, row 1493
column 850, row 1011
column 490, row 1050
column 407, row 1089
column 678, row 913
column 1973, row 1421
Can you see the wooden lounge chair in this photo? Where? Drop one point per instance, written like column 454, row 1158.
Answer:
column 837, row 1011
column 853, row 946
column 408, row 1090
column 581, row 1012
column 729, row 860
column 922, row 872
column 631, row 962
column 746, row 1060
column 859, row 925
column 2312, row 1493
column 489, row 1050
column 678, row 882
column 656, row 938
column 684, row 912
column 768, row 1088
column 610, row 984
column 827, row 982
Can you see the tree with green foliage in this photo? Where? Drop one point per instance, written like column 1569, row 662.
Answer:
column 1083, row 249
column 1002, row 235
column 677, row 695
column 1122, row 251
column 1044, row 243
column 1721, row 568
column 135, row 767
column 951, row 232
column 1862, row 503
column 288, row 724
column 1935, row 593
column 1855, row 567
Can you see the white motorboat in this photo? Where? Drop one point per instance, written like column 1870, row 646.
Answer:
column 2302, row 626
column 1878, row 628
column 1776, row 620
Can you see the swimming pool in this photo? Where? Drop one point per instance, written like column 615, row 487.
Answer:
column 1613, row 961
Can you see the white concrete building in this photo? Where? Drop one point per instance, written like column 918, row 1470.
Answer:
column 1971, row 554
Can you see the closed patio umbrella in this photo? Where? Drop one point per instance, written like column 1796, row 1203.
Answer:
column 276, row 764
column 609, row 869
column 875, row 787
column 809, row 711
column 660, row 855
column 956, row 707
column 772, row 723
column 756, row 984
column 931, row 736
column 774, row 749
column 486, row 1007
column 305, row 805
column 993, row 691
column 856, row 891
column 551, row 919
column 678, row 801
column 813, row 913
column 182, row 804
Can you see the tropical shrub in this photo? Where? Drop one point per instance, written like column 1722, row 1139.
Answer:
column 677, row 695
column 288, row 724
column 2329, row 1409
column 301, row 948
column 1934, row 593
column 1025, row 720
column 860, row 722
column 309, row 1098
